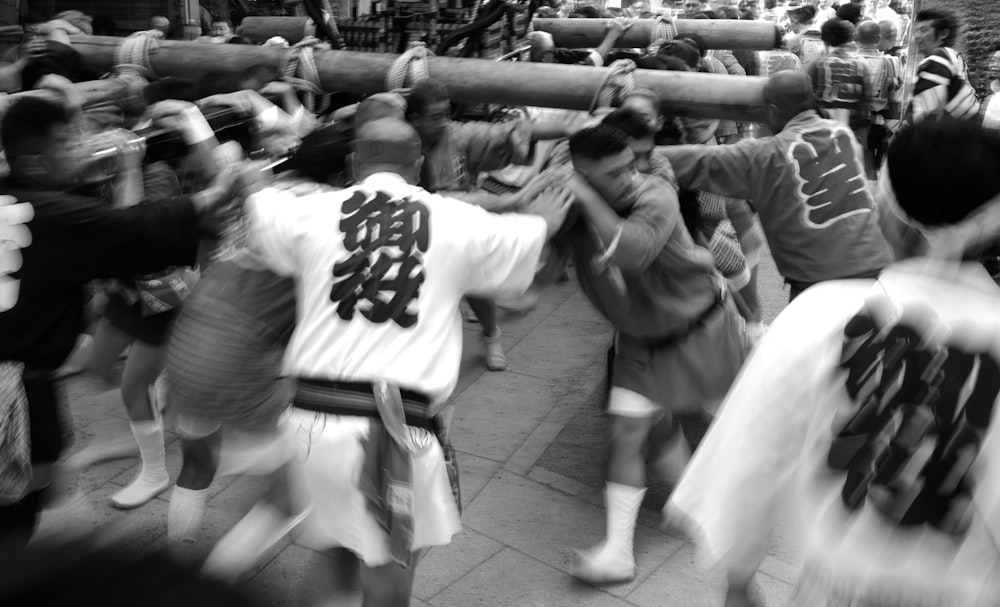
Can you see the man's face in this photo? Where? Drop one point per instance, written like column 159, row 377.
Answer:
column 644, row 107
column 612, row 176
column 221, row 29
column 927, row 37
column 432, row 124
column 888, row 35
column 642, row 149
column 993, row 69
column 692, row 6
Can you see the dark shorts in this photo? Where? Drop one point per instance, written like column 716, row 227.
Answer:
column 153, row 329
column 678, row 375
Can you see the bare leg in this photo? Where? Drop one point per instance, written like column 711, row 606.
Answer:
column 486, row 311
column 388, row 585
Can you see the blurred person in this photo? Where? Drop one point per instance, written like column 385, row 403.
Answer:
column 886, row 88
column 807, row 183
column 991, row 104
column 942, row 85
column 62, row 242
column 884, row 12
column 841, row 80
column 639, row 266
column 454, row 156
column 805, row 40
column 371, row 373
column 869, row 409
column 852, row 13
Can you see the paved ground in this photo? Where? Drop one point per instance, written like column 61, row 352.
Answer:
column 531, row 447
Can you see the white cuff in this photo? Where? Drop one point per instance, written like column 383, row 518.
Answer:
column 268, row 119
column 198, row 129
column 611, row 248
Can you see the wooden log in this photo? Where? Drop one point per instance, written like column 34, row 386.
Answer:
column 259, row 29
column 718, row 33
column 94, row 92
column 468, row 80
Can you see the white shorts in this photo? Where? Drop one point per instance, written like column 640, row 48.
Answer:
column 330, row 448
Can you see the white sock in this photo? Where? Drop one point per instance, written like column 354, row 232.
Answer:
column 187, row 508
column 623, row 503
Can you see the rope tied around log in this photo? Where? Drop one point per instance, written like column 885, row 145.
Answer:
column 132, row 56
column 299, row 69
column 663, row 32
column 409, row 68
column 618, row 82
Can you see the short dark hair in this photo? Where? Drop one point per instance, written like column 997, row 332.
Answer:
column 239, row 40
column 221, row 20
column 424, row 94
column 850, row 12
column 837, row 32
column 27, row 125
column 940, row 189
column 942, row 19
column 630, row 122
column 597, row 142
column 586, row 12
column 683, row 50
column 673, row 64
column 698, row 41
column 803, row 14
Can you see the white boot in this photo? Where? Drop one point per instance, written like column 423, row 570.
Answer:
column 612, row 561
column 153, row 478
column 184, row 516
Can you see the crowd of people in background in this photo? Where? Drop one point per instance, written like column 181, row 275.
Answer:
column 300, row 281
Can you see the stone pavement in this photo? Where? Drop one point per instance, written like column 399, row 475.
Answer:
column 531, row 455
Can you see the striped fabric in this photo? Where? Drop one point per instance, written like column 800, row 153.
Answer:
column 943, row 87
column 15, row 445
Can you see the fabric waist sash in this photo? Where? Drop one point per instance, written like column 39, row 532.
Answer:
column 358, row 399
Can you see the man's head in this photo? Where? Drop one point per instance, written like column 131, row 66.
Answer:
column 645, row 103
column 640, row 134
column 221, row 28
column 770, row 4
column 683, row 50
column 850, row 12
column 887, row 35
column 387, row 145
column 787, row 94
column 601, row 154
column 429, row 110
column 379, row 106
column 837, row 32
column 40, row 145
column 543, row 48
column 692, row 7
column 159, row 22
column 869, row 34
column 934, row 28
column 920, row 177
column 993, row 68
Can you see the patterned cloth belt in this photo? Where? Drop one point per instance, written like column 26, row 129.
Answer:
column 15, row 437
column 357, row 398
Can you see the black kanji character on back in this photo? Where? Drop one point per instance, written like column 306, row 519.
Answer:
column 921, row 412
column 386, row 239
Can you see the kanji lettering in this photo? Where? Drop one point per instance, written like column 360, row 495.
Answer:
column 14, row 236
column 831, row 177
column 921, row 413
column 386, row 239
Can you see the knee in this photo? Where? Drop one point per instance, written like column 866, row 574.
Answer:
column 628, row 434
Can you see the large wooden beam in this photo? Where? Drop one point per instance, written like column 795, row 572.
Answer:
column 718, row 33
column 94, row 92
column 468, row 80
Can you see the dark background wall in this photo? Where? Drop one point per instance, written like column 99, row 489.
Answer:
column 981, row 29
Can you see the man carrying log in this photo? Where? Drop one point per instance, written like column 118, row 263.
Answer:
column 807, row 183
column 678, row 344
column 380, row 270
column 52, row 243
column 454, row 156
